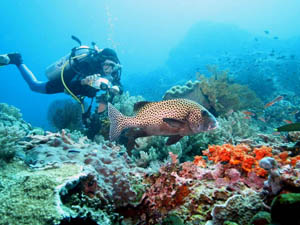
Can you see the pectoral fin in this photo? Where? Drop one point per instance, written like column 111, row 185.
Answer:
column 174, row 122
column 173, row 139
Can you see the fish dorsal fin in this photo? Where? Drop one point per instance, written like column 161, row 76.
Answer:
column 174, row 122
column 137, row 106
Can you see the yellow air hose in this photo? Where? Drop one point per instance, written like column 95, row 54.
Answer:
column 66, row 87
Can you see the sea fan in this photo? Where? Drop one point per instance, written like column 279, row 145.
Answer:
column 65, row 114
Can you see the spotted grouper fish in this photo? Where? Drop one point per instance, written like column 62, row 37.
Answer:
column 175, row 118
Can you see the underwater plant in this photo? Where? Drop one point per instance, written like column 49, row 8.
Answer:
column 65, row 114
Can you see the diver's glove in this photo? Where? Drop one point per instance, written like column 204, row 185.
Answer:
column 15, row 58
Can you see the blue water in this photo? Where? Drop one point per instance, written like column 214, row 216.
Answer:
column 158, row 42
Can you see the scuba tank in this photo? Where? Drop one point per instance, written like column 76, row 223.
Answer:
column 53, row 71
column 78, row 55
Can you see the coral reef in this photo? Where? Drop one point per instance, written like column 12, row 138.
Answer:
column 191, row 193
column 32, row 197
column 109, row 163
column 238, row 208
column 66, row 176
column 217, row 93
column 239, row 156
column 12, row 129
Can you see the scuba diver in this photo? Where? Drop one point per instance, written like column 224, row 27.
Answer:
column 85, row 72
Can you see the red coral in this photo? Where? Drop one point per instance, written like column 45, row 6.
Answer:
column 169, row 188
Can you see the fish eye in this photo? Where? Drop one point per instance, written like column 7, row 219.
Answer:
column 204, row 113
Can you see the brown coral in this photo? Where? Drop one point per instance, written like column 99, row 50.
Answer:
column 217, row 93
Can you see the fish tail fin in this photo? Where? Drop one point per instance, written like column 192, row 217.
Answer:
column 118, row 122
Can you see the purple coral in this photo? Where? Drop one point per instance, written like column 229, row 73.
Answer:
column 273, row 185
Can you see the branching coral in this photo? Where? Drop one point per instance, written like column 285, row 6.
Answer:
column 12, row 129
column 9, row 136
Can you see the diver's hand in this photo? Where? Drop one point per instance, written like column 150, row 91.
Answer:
column 114, row 90
column 97, row 82
column 89, row 79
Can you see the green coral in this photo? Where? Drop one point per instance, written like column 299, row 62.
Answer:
column 28, row 197
column 173, row 220
column 9, row 136
column 285, row 209
column 261, row 218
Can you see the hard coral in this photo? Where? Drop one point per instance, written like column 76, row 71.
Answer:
column 12, row 129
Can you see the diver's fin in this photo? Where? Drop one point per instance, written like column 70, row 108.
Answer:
column 4, row 60
column 289, row 127
column 139, row 105
column 174, row 122
column 173, row 139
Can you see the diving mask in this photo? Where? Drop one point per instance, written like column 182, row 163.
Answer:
column 115, row 66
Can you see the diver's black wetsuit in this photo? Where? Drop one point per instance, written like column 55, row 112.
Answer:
column 72, row 78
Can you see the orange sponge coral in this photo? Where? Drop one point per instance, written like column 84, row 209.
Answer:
column 245, row 157
column 240, row 155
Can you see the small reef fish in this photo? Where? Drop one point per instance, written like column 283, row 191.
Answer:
column 288, row 121
column 294, row 112
column 175, row 118
column 277, row 99
column 248, row 113
column 262, row 119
